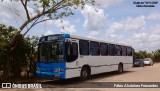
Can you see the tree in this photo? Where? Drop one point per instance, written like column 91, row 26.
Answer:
column 6, row 35
column 156, row 55
column 32, row 57
column 22, row 54
column 142, row 55
column 51, row 9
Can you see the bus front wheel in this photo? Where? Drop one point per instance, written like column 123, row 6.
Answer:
column 84, row 74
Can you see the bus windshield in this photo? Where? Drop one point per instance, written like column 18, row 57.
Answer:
column 51, row 52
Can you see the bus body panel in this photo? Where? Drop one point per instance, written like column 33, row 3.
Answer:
column 98, row 64
column 71, row 73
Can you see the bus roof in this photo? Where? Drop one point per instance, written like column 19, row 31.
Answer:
column 86, row 38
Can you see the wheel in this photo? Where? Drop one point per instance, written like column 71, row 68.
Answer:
column 151, row 64
column 84, row 74
column 120, row 68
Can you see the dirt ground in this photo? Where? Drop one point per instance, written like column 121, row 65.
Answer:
column 136, row 74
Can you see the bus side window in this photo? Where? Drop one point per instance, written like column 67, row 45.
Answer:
column 104, row 49
column 94, row 48
column 129, row 51
column 124, row 51
column 119, row 50
column 84, row 47
column 72, row 52
column 112, row 50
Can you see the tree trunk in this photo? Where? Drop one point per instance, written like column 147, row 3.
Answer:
column 6, row 68
column 7, row 65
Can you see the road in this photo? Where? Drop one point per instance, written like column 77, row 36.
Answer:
column 136, row 74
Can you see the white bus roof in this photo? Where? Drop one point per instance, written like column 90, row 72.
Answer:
column 90, row 39
column 86, row 38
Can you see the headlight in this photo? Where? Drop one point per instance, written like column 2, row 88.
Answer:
column 59, row 70
column 38, row 69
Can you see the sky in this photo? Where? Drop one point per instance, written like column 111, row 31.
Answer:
column 118, row 21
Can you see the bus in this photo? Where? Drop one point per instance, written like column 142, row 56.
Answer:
column 64, row 56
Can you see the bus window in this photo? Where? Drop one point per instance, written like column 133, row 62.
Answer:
column 124, row 50
column 119, row 50
column 84, row 47
column 94, row 48
column 112, row 50
column 51, row 52
column 72, row 52
column 104, row 49
column 129, row 51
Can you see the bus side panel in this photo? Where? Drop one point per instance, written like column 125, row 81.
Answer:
column 128, row 63
column 72, row 70
column 71, row 73
column 98, row 64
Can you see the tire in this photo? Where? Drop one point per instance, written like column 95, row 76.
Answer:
column 84, row 74
column 151, row 64
column 120, row 68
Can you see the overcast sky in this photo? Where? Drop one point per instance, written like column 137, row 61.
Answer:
column 114, row 20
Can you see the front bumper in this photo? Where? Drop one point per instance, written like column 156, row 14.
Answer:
column 147, row 63
column 59, row 75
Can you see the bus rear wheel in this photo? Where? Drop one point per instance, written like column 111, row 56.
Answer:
column 84, row 74
column 120, row 68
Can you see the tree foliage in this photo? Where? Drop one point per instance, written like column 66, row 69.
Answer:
column 155, row 55
column 44, row 10
column 22, row 54
column 6, row 35
column 142, row 54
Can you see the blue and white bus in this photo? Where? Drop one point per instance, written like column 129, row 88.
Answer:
column 66, row 56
